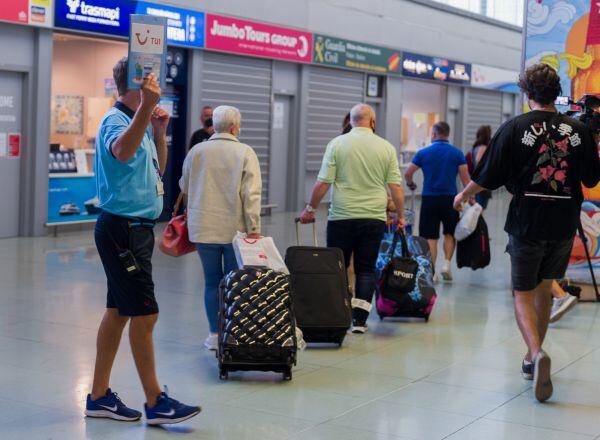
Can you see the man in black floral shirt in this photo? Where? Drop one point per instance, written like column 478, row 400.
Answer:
column 542, row 158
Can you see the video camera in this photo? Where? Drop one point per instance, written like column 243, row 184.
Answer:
column 587, row 110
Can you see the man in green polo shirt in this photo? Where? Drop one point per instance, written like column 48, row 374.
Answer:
column 360, row 166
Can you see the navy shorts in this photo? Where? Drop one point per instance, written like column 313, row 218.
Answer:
column 436, row 210
column 533, row 261
column 131, row 294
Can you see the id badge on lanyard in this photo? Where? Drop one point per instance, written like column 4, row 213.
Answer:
column 160, row 186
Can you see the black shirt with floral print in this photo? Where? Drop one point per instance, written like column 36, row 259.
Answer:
column 542, row 158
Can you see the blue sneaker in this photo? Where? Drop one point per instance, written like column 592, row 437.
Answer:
column 110, row 406
column 168, row 411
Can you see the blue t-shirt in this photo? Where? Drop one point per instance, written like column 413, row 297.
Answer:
column 126, row 189
column 440, row 162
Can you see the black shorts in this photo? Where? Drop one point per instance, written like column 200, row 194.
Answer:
column 533, row 261
column 436, row 210
column 131, row 294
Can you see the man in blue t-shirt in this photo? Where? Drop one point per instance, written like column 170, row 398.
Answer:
column 131, row 156
column 441, row 162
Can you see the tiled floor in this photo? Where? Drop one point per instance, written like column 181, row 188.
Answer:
column 456, row 377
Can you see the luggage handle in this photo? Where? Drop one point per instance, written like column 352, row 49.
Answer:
column 399, row 234
column 298, row 223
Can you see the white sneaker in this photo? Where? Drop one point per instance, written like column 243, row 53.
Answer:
column 359, row 327
column 446, row 271
column 560, row 306
column 212, row 341
column 436, row 278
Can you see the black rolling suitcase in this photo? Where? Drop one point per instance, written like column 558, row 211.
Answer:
column 257, row 328
column 320, row 291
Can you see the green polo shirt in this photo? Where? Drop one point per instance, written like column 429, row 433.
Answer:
column 359, row 165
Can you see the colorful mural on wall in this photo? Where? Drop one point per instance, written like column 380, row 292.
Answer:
column 566, row 35
column 560, row 33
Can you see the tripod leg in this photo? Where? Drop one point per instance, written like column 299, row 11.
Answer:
column 587, row 255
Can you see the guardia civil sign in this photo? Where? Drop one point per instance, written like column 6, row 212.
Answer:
column 332, row 51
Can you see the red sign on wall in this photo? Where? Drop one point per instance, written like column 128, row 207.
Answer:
column 257, row 39
column 593, row 35
column 14, row 144
column 15, row 10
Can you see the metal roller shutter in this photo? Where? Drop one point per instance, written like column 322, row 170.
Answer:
column 483, row 108
column 244, row 83
column 332, row 93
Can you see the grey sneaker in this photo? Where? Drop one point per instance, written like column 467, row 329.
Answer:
column 560, row 306
column 446, row 272
column 542, row 383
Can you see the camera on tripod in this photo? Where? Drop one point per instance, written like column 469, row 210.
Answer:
column 587, row 110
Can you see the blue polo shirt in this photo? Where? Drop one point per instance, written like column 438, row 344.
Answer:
column 126, row 189
column 440, row 162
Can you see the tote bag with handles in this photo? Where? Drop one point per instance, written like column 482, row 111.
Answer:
column 399, row 276
column 175, row 239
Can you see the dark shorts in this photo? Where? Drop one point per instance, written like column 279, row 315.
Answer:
column 436, row 210
column 131, row 294
column 534, row 261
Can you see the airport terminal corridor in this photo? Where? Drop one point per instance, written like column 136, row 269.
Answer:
column 456, row 377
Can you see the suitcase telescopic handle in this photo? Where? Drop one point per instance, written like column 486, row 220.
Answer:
column 298, row 223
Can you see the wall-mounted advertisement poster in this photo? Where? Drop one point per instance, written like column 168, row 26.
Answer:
column 67, row 114
column 71, row 199
column 435, row 68
column 566, row 35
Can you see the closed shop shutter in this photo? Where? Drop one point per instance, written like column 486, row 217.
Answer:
column 244, row 83
column 483, row 108
column 332, row 93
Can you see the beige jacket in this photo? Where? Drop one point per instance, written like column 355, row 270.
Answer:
column 222, row 181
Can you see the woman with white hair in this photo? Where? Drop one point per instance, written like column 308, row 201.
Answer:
column 222, row 185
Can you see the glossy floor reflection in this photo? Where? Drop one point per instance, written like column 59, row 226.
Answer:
column 456, row 377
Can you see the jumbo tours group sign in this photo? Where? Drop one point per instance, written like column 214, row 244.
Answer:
column 244, row 37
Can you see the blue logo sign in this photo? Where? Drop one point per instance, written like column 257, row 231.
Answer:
column 435, row 68
column 184, row 27
column 100, row 16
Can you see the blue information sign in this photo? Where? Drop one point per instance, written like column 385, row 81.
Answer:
column 184, row 27
column 435, row 68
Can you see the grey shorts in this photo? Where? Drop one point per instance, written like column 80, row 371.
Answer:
column 533, row 261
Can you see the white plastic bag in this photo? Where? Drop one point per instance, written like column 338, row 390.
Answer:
column 468, row 222
column 260, row 252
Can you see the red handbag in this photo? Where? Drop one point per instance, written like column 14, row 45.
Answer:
column 175, row 239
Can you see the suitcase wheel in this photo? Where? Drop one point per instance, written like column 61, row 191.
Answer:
column 287, row 374
column 427, row 318
column 223, row 374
